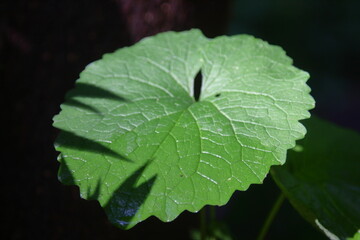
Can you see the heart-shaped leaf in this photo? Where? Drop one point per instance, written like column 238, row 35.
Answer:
column 322, row 178
column 134, row 137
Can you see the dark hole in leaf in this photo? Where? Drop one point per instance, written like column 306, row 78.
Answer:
column 197, row 86
column 218, row 95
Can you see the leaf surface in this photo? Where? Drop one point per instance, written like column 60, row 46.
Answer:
column 134, row 138
column 321, row 178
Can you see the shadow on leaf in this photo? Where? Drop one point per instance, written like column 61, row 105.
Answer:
column 125, row 201
column 93, row 91
column 66, row 177
column 128, row 198
column 89, row 91
column 73, row 141
column 78, row 104
column 64, row 174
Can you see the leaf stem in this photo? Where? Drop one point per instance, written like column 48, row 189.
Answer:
column 274, row 210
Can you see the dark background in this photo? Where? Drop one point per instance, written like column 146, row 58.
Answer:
column 44, row 45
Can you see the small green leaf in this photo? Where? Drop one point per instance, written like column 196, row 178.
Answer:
column 356, row 236
column 134, row 138
column 323, row 180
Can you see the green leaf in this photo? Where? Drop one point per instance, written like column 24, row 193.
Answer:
column 356, row 236
column 134, row 138
column 321, row 178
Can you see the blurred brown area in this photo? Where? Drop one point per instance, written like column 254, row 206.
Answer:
column 44, row 45
column 145, row 18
